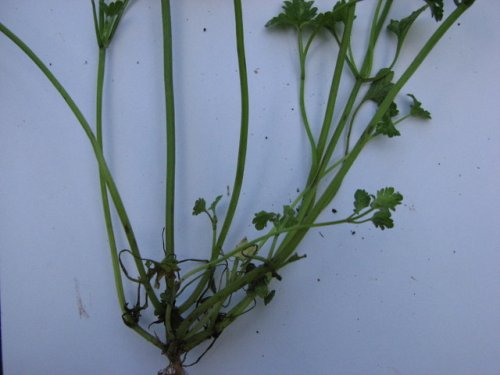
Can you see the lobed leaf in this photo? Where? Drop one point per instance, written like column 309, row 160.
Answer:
column 200, row 206
column 387, row 199
column 261, row 219
column 112, row 9
column 216, row 201
column 402, row 27
column 361, row 200
column 382, row 219
column 437, row 8
column 386, row 127
column 416, row 109
column 380, row 87
column 296, row 13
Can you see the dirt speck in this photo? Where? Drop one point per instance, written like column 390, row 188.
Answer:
column 79, row 302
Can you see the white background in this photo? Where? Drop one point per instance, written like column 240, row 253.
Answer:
column 421, row 299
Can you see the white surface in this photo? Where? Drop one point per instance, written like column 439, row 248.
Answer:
column 421, row 299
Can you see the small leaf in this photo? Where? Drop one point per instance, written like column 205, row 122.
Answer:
column 401, row 27
column 437, row 8
column 393, row 110
column 247, row 252
column 361, row 200
column 213, row 205
column 416, row 109
column 296, row 13
column 261, row 290
column 199, row 206
column 295, row 257
column 339, row 14
column 269, row 297
column 382, row 219
column 289, row 217
column 113, row 8
column 387, row 198
column 380, row 86
column 261, row 219
column 386, row 127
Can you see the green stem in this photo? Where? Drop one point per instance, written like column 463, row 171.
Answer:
column 170, row 126
column 170, row 160
column 335, row 85
column 292, row 240
column 104, row 191
column 302, row 100
column 113, row 190
column 242, row 150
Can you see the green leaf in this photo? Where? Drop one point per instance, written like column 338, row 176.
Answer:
column 213, row 205
column 393, row 110
column 437, row 8
column 401, row 27
column 463, row 2
column 387, row 199
column 112, row 9
column 247, row 252
column 296, row 13
column 380, row 87
column 295, row 257
column 199, row 206
column 338, row 14
column 261, row 219
column 269, row 297
column 386, row 127
column 382, row 219
column 416, row 109
column 289, row 217
column 361, row 200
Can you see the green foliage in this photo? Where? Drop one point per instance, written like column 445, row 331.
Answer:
column 416, row 109
column 262, row 218
column 437, row 8
column 386, row 127
column 338, row 15
column 113, row 9
column 361, row 200
column 296, row 13
column 285, row 220
column 387, row 198
column 196, row 303
column 200, row 206
column 380, row 205
column 214, row 204
column 380, row 87
column 402, row 27
column 382, row 219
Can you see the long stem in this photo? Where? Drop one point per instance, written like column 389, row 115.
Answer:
column 170, row 127
column 104, row 191
column 302, row 99
column 103, row 167
column 335, row 85
column 170, row 163
column 242, row 151
column 293, row 239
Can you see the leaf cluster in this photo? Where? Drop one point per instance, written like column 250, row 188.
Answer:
column 300, row 14
column 285, row 220
column 107, row 16
column 200, row 207
column 296, row 13
column 380, row 205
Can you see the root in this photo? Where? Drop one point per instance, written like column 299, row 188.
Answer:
column 173, row 369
